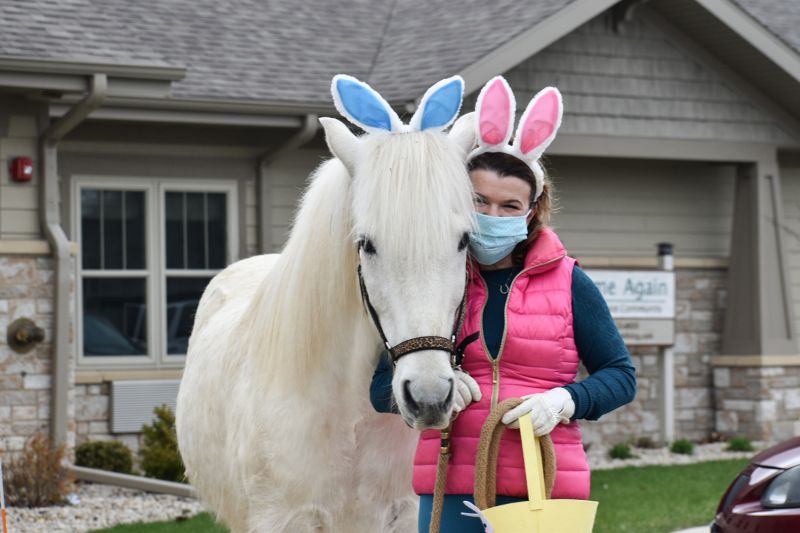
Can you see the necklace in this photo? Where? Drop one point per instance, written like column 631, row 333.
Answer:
column 505, row 288
column 492, row 278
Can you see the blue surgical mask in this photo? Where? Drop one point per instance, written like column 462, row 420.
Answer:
column 496, row 237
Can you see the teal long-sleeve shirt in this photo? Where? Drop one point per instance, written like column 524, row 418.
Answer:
column 612, row 377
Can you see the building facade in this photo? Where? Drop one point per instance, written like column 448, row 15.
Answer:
column 156, row 163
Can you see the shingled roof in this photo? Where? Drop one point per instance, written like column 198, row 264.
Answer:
column 445, row 37
column 285, row 51
column 781, row 17
column 276, row 51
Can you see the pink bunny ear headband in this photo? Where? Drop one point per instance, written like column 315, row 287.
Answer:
column 494, row 113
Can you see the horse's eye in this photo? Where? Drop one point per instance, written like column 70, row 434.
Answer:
column 366, row 245
column 462, row 244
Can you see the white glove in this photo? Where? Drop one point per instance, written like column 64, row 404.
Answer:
column 547, row 409
column 467, row 391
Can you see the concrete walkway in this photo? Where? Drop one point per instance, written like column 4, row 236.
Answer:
column 701, row 529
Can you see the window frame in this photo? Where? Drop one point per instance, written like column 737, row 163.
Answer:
column 231, row 252
column 155, row 273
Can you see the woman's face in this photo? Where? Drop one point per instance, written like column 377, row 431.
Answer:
column 498, row 196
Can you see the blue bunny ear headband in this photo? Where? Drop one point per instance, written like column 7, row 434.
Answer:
column 363, row 106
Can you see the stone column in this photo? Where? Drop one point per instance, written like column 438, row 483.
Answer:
column 757, row 375
column 26, row 291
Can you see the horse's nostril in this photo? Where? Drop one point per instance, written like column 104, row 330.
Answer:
column 449, row 398
column 412, row 405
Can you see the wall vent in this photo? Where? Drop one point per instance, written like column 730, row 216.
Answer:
column 132, row 402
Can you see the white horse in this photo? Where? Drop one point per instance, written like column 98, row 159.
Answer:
column 273, row 416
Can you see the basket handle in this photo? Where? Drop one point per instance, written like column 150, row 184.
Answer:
column 540, row 461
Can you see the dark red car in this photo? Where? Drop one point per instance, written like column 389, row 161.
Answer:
column 765, row 497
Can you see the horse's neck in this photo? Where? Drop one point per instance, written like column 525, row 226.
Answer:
column 308, row 314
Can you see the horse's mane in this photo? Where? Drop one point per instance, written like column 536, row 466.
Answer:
column 311, row 297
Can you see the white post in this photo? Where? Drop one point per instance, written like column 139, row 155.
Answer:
column 667, row 385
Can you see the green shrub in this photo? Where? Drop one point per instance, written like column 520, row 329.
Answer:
column 682, row 446
column 36, row 477
column 159, row 454
column 111, row 455
column 647, row 443
column 620, row 451
column 740, row 444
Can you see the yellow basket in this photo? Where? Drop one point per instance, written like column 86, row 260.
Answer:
column 539, row 515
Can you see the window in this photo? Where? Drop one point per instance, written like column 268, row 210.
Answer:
column 148, row 250
column 195, row 243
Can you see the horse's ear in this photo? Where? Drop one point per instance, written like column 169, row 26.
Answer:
column 495, row 112
column 463, row 132
column 362, row 105
column 341, row 142
column 439, row 106
column 540, row 123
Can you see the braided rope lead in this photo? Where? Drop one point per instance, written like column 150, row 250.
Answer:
column 486, row 463
column 441, row 481
column 489, row 448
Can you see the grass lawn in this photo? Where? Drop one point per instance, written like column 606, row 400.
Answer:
column 202, row 523
column 660, row 499
column 652, row 499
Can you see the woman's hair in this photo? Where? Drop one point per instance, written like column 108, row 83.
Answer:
column 507, row 165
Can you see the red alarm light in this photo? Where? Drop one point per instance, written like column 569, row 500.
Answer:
column 21, row 169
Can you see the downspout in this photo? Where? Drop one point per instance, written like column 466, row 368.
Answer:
column 306, row 132
column 50, row 211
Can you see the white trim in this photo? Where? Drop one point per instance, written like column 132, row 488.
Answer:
column 116, row 273
column 580, row 145
column 30, row 247
column 755, row 360
column 175, row 273
column 651, row 261
column 156, row 271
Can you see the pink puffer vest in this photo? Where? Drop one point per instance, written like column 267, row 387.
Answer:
column 538, row 353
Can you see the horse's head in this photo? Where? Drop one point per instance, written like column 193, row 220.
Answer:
column 412, row 212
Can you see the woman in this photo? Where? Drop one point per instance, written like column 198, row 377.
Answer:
column 537, row 315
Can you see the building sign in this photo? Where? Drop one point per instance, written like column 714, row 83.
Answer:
column 642, row 303
column 644, row 332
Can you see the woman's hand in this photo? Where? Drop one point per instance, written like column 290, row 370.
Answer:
column 467, row 391
column 547, row 409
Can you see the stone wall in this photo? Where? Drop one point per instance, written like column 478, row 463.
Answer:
column 26, row 290
column 93, row 415
column 760, row 403
column 700, row 304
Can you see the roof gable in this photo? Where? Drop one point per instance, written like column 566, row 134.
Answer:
column 641, row 82
column 424, row 41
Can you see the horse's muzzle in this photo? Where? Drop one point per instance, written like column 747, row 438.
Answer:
column 428, row 414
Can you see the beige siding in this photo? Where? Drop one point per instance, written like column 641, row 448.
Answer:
column 638, row 83
column 790, row 184
column 288, row 177
column 19, row 214
column 612, row 207
column 608, row 206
